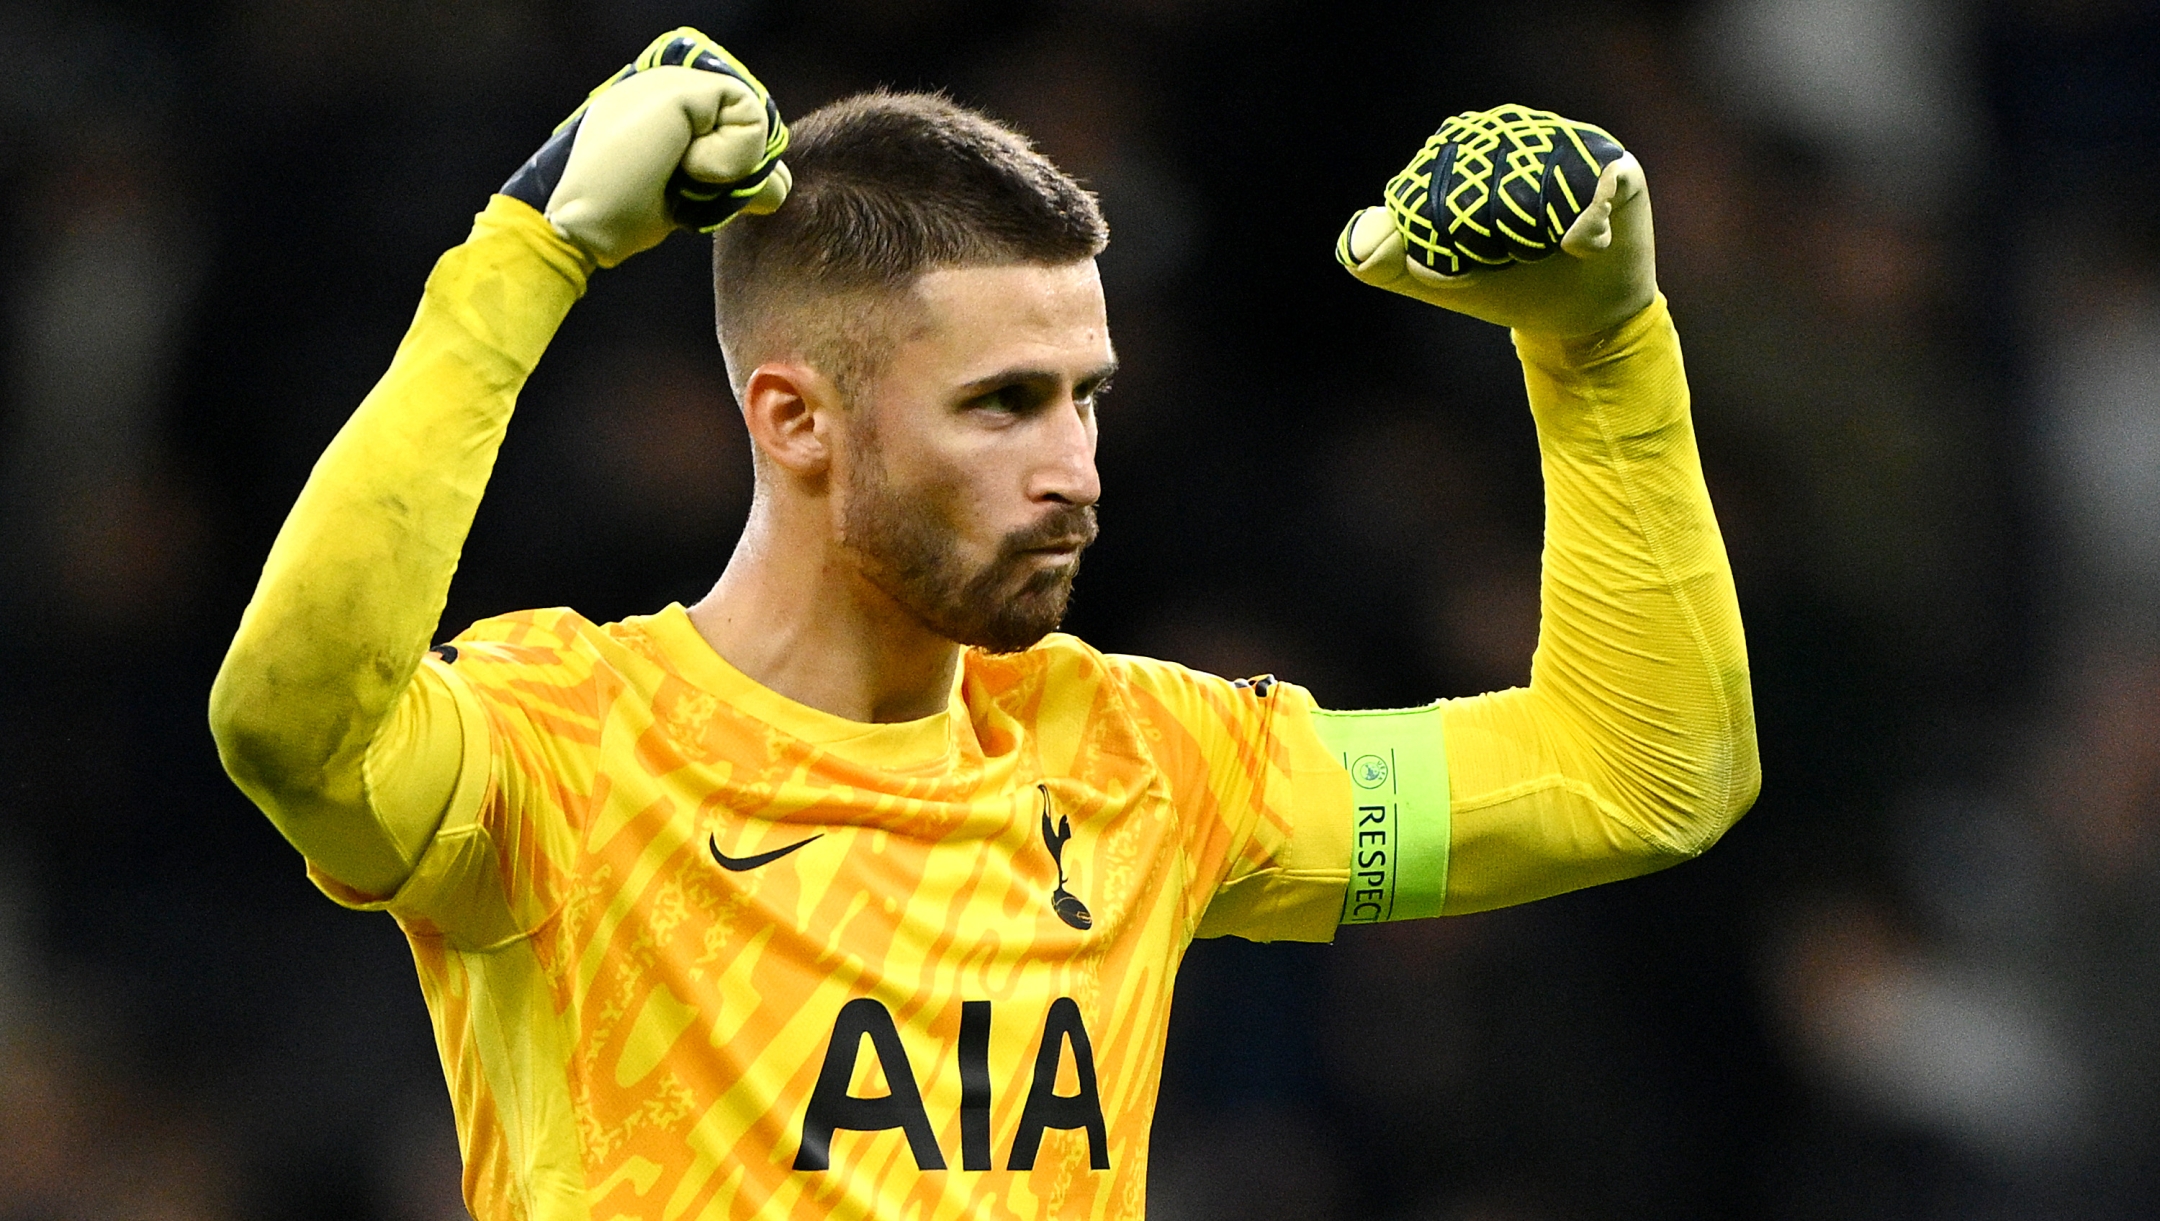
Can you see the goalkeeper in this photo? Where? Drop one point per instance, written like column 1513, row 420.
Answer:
column 855, row 889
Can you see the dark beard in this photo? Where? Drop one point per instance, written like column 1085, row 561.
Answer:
column 909, row 548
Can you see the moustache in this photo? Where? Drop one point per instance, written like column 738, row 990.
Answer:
column 1067, row 527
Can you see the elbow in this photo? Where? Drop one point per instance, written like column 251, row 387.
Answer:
column 1746, row 770
column 1729, row 782
column 257, row 743
column 1726, row 771
column 1738, row 760
column 1679, row 806
column 246, row 740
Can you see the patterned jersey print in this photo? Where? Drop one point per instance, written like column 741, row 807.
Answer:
column 693, row 950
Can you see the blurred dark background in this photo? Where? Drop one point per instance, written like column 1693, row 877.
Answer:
column 1912, row 250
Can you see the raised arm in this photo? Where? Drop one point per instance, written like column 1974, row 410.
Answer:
column 328, row 649
column 323, row 712
column 1633, row 747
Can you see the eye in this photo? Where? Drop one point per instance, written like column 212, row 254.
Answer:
column 1092, row 392
column 1005, row 400
column 1015, row 400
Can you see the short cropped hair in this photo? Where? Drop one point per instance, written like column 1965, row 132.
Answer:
column 887, row 186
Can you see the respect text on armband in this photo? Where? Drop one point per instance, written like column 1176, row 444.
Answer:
column 1396, row 764
column 1372, row 878
column 1376, row 838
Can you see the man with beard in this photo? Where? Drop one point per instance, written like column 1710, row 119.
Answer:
column 853, row 889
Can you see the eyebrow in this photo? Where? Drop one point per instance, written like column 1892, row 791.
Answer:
column 1022, row 377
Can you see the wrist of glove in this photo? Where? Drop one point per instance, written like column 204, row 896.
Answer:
column 684, row 137
column 1515, row 216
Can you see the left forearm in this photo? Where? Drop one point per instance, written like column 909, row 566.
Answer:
column 1634, row 746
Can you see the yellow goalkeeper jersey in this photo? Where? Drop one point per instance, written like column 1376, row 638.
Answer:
column 685, row 939
column 696, row 951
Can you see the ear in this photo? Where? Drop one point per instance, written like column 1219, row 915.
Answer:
column 792, row 414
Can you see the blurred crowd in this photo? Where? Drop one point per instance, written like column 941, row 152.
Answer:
column 1914, row 259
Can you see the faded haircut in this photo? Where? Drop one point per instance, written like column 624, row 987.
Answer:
column 888, row 186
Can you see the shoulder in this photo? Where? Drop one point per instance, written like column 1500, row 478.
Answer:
column 1062, row 666
column 1180, row 687
column 555, row 646
column 551, row 628
column 1056, row 668
column 1066, row 670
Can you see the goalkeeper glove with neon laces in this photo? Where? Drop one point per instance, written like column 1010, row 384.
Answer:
column 1516, row 216
column 684, row 137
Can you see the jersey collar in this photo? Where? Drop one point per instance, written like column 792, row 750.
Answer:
column 898, row 744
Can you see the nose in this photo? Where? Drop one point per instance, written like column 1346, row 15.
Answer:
column 1066, row 474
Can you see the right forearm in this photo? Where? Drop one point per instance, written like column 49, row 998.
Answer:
column 356, row 581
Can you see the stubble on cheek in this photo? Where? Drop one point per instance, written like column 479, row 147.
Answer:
column 912, row 545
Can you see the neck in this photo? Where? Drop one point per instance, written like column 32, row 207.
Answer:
column 803, row 621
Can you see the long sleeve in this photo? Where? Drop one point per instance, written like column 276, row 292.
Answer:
column 1633, row 747
column 323, row 712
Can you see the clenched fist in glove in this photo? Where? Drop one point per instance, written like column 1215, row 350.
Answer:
column 1515, row 216
column 682, row 138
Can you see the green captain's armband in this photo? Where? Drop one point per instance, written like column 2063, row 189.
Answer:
column 1397, row 760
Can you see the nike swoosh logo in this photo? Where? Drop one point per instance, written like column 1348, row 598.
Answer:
column 736, row 864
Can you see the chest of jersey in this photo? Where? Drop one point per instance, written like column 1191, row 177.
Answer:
column 845, row 981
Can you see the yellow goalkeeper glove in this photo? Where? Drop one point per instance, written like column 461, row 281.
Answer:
column 1474, row 222
column 682, row 138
